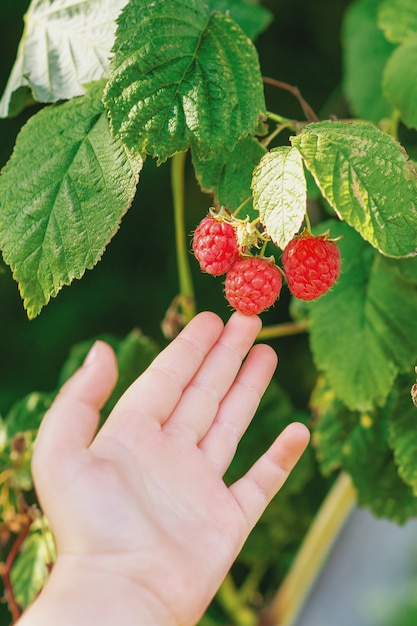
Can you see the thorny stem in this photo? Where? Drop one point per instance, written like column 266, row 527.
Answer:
column 307, row 110
column 6, row 569
column 283, row 330
column 187, row 299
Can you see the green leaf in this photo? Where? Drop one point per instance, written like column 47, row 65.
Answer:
column 182, row 77
column 403, row 433
column 288, row 516
column 26, row 414
column 228, row 176
column 63, row 194
column 252, row 18
column 375, row 305
column 368, row 179
column 134, row 353
column 65, row 44
column 365, row 53
column 400, row 91
column 30, row 570
column 280, row 193
column 358, row 443
column 398, row 19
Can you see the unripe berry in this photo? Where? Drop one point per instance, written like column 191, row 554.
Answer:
column 252, row 285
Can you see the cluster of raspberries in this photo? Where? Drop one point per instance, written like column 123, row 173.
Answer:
column 310, row 265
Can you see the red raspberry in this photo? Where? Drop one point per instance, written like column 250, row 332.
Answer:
column 252, row 285
column 215, row 245
column 311, row 265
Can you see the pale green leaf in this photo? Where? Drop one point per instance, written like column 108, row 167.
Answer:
column 228, row 176
column 368, row 179
column 400, row 81
column 182, row 77
column 280, row 193
column 63, row 194
column 252, row 18
column 30, row 570
column 375, row 305
column 398, row 19
column 365, row 53
column 65, row 44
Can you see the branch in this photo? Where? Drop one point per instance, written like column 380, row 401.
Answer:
column 307, row 110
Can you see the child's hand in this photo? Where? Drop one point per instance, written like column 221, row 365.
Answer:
column 140, row 510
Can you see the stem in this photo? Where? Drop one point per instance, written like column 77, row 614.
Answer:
column 240, row 207
column 228, row 598
column 6, row 569
column 288, row 602
column 276, row 132
column 283, row 330
column 187, row 299
column 307, row 110
column 307, row 222
column 279, row 119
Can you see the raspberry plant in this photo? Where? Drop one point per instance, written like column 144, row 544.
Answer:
column 184, row 78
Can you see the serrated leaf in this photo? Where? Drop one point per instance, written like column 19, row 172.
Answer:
column 63, row 194
column 228, row 177
column 368, row 179
column 376, row 306
column 30, row 570
column 252, row 18
column 182, row 77
column 399, row 89
column 280, row 193
column 66, row 44
column 398, row 19
column 365, row 53
column 358, row 443
column 402, row 424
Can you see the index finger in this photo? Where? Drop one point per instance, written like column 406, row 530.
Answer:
column 157, row 391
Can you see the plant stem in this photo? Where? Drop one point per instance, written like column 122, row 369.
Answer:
column 6, row 569
column 283, row 330
column 187, row 299
column 288, row 601
column 307, row 110
column 239, row 612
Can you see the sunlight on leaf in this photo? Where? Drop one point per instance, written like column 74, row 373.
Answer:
column 58, row 217
column 280, row 193
column 65, row 44
column 182, row 77
column 367, row 178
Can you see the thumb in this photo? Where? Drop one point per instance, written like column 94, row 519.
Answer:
column 70, row 424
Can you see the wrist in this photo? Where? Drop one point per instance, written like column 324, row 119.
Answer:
column 82, row 593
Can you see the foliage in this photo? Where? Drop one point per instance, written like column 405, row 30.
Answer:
column 185, row 76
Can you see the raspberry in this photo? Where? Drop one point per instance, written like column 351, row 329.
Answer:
column 311, row 265
column 252, row 285
column 215, row 245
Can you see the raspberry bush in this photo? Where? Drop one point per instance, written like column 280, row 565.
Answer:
column 318, row 207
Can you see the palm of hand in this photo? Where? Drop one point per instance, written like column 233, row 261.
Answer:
column 146, row 496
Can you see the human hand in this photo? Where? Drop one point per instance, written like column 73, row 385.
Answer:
column 140, row 508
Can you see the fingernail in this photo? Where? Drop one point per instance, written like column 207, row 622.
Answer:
column 91, row 355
